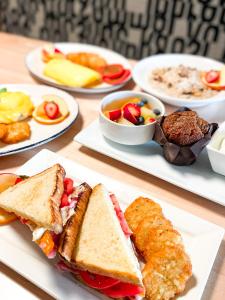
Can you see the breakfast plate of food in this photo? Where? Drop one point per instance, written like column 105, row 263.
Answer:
column 79, row 67
column 32, row 115
column 180, row 147
column 76, row 255
column 182, row 79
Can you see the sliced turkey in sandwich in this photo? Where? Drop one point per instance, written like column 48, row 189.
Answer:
column 101, row 255
column 45, row 202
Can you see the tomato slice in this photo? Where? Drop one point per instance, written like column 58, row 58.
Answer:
column 97, row 281
column 118, row 80
column 68, row 185
column 112, row 71
column 123, row 289
column 212, row 76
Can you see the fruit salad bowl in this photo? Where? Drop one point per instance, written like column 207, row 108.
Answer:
column 129, row 117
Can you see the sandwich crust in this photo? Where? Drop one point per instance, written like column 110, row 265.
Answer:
column 71, row 229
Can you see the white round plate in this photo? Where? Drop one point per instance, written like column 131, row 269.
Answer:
column 144, row 67
column 40, row 133
column 35, row 65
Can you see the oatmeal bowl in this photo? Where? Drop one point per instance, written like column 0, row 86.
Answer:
column 181, row 79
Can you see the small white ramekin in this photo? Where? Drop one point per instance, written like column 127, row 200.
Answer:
column 217, row 158
column 125, row 134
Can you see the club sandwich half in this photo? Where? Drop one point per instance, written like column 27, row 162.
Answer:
column 45, row 202
column 101, row 255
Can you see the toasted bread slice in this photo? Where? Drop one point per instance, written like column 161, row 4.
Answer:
column 71, row 229
column 37, row 198
column 102, row 247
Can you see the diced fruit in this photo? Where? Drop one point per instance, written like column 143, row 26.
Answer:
column 212, row 76
column 141, row 120
column 119, row 80
column 150, row 120
column 97, row 281
column 64, row 200
column 114, row 114
column 51, row 110
column 124, row 122
column 123, row 289
column 68, row 186
column 46, row 243
column 145, row 101
column 156, row 111
column 141, row 103
column 131, row 112
column 147, row 113
column 112, row 71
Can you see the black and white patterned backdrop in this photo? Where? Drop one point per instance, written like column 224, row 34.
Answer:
column 135, row 28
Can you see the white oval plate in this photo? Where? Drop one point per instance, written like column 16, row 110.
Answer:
column 35, row 65
column 144, row 67
column 40, row 133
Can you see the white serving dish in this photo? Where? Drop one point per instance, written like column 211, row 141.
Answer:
column 125, row 134
column 144, row 67
column 35, row 65
column 216, row 157
column 201, row 238
column 197, row 178
column 40, row 133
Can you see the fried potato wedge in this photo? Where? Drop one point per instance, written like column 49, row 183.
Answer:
column 158, row 238
column 141, row 233
column 17, row 132
column 139, row 209
column 166, row 273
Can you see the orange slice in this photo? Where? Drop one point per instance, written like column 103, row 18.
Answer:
column 6, row 180
column 219, row 84
column 39, row 113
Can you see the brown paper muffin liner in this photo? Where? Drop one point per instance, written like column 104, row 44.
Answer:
column 181, row 155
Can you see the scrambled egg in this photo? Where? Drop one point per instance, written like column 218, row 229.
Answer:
column 14, row 106
column 70, row 74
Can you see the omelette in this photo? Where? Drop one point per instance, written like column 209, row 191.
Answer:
column 71, row 74
column 14, row 107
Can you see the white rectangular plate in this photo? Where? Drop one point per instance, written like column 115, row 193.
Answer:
column 197, row 178
column 201, row 238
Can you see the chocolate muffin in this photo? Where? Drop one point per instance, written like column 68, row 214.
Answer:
column 184, row 127
column 183, row 135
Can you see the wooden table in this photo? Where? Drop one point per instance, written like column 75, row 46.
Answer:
column 12, row 70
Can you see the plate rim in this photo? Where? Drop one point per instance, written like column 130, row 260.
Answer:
column 74, row 89
column 176, row 101
column 49, row 139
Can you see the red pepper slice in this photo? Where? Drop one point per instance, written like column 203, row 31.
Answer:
column 212, row 76
column 118, row 80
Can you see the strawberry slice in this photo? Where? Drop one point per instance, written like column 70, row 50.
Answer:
column 131, row 112
column 114, row 114
column 212, row 76
column 51, row 109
